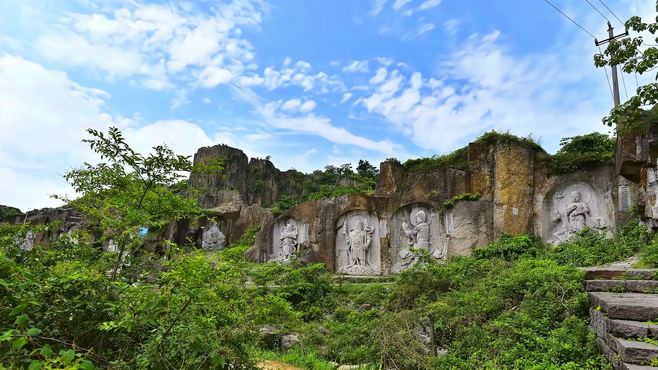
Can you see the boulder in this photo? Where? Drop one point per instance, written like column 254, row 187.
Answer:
column 270, row 337
column 289, row 341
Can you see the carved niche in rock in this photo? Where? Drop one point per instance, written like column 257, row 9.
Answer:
column 414, row 226
column 358, row 249
column 287, row 238
column 213, row 239
column 572, row 208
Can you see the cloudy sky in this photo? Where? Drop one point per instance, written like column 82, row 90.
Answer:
column 309, row 82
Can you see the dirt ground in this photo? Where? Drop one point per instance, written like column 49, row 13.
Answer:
column 275, row 365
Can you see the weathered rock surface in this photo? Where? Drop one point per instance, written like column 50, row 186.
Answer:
column 636, row 286
column 628, row 306
column 289, row 341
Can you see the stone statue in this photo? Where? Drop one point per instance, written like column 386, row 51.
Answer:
column 578, row 212
column 358, row 240
column 419, row 236
column 212, row 239
column 576, row 216
column 288, row 241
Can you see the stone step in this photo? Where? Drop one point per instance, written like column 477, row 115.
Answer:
column 633, row 352
column 626, row 306
column 601, row 272
column 625, row 366
column 638, row 286
column 604, row 325
column 621, row 352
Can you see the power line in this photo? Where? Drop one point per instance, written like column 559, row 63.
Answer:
column 624, row 82
column 601, row 1
column 637, row 84
column 606, row 76
column 590, row 4
column 574, row 22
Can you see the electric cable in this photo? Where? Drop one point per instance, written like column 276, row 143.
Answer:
column 611, row 12
column 574, row 22
column 606, row 77
column 624, row 82
column 590, row 4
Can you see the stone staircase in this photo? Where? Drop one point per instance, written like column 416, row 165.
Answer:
column 622, row 305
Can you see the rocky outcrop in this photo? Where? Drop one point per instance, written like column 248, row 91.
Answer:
column 256, row 181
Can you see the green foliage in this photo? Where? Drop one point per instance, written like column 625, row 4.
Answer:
column 457, row 160
column 130, row 190
column 449, row 204
column 492, row 137
column 234, row 253
column 583, row 152
column 9, row 211
column 510, row 248
column 635, row 57
column 190, row 313
column 329, row 184
column 365, row 169
column 590, row 248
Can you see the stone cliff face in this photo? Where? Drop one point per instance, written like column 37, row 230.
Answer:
column 636, row 162
column 374, row 234
column 257, row 181
column 407, row 211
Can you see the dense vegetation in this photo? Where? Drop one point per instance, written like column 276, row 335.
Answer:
column 514, row 304
column 459, row 158
column 68, row 304
column 583, row 152
column 332, row 182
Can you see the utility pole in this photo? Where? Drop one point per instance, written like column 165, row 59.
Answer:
column 615, row 82
column 626, row 142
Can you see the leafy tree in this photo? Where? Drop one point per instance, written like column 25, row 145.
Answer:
column 630, row 55
column 130, row 190
column 365, row 169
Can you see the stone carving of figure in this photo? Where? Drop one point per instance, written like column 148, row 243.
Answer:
column 575, row 218
column 212, row 239
column 578, row 212
column 358, row 240
column 288, row 241
column 419, row 236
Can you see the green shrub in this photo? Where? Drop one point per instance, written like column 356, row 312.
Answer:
column 584, row 152
column 510, row 247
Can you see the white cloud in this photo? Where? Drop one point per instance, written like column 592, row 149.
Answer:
column 452, row 25
column 429, row 4
column 125, row 41
column 379, row 76
column 384, row 61
column 206, row 100
column 335, row 64
column 378, row 6
column 346, row 97
column 213, row 76
column 481, row 87
column 425, row 28
column 399, row 4
column 251, row 81
column 407, row 13
column 292, row 105
column 307, row 106
column 357, row 66
column 65, row 110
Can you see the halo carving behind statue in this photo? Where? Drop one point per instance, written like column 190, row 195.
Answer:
column 573, row 208
column 414, row 212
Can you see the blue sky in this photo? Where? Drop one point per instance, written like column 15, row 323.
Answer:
column 309, row 82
